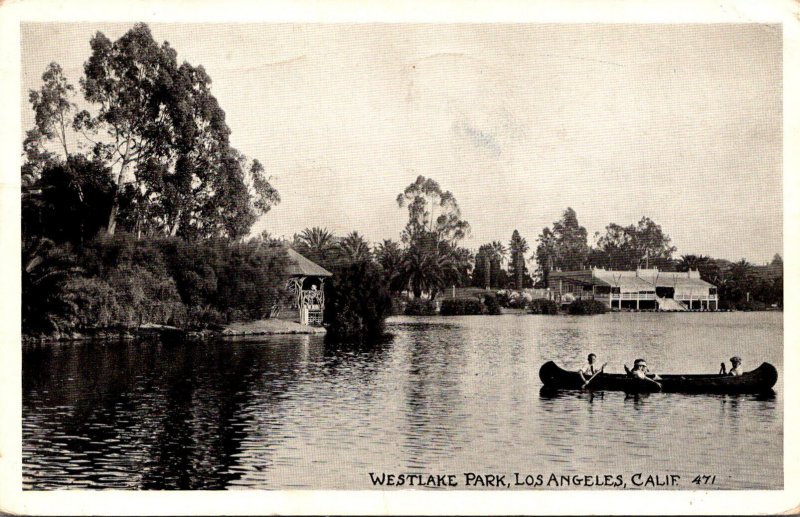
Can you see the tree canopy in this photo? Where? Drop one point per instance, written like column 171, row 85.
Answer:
column 633, row 246
column 158, row 132
column 430, row 209
column 564, row 247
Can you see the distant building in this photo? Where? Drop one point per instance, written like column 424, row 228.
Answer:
column 643, row 289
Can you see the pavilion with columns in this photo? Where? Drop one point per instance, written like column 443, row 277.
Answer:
column 642, row 289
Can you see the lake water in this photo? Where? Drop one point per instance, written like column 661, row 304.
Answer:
column 440, row 396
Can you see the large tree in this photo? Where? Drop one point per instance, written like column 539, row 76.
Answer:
column 427, row 267
column 572, row 248
column 68, row 202
column 564, row 247
column 431, row 210
column 432, row 258
column 738, row 280
column 54, row 108
column 157, row 124
column 630, row 247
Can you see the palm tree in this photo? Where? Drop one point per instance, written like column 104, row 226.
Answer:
column 497, row 254
column 389, row 255
column 354, row 248
column 499, row 251
column 45, row 269
column 708, row 267
column 425, row 268
column 690, row 262
column 519, row 247
column 485, row 253
column 462, row 260
column 317, row 244
column 738, row 280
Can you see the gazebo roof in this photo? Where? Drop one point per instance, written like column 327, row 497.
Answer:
column 301, row 266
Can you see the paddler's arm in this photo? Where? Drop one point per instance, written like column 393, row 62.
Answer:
column 654, row 380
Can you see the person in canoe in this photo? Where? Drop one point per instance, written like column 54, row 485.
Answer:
column 640, row 372
column 736, row 367
column 590, row 369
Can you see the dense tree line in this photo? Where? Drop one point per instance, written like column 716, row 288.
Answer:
column 120, row 282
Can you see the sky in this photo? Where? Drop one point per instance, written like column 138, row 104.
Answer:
column 679, row 123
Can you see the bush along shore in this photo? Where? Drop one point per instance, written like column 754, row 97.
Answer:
column 119, row 287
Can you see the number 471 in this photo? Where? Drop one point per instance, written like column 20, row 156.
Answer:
column 704, row 480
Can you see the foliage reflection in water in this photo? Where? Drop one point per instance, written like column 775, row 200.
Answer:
column 440, row 396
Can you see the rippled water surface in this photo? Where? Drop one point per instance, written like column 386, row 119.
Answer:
column 442, row 395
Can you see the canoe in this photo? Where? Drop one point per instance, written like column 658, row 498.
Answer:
column 760, row 380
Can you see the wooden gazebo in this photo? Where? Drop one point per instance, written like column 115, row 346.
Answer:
column 307, row 283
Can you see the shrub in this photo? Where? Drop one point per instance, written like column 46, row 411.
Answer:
column 543, row 306
column 752, row 305
column 420, row 307
column 491, row 306
column 151, row 297
column 212, row 278
column 517, row 302
column 358, row 301
column 503, row 298
column 582, row 307
column 461, row 307
column 203, row 317
column 47, row 304
column 96, row 303
column 250, row 279
column 399, row 304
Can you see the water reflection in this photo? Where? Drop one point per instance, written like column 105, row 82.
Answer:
column 448, row 395
column 636, row 399
column 171, row 418
column 432, row 397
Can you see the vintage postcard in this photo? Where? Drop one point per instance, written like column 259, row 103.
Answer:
column 432, row 258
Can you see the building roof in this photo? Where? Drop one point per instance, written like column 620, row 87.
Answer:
column 625, row 280
column 583, row 276
column 682, row 282
column 301, row 266
column 639, row 280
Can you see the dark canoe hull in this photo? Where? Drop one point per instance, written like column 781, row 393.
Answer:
column 760, row 380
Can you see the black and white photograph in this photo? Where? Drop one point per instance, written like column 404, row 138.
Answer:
column 404, row 258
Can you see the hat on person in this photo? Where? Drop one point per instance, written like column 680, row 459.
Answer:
column 639, row 362
column 736, row 359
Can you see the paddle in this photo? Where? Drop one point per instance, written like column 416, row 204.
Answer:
column 593, row 376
